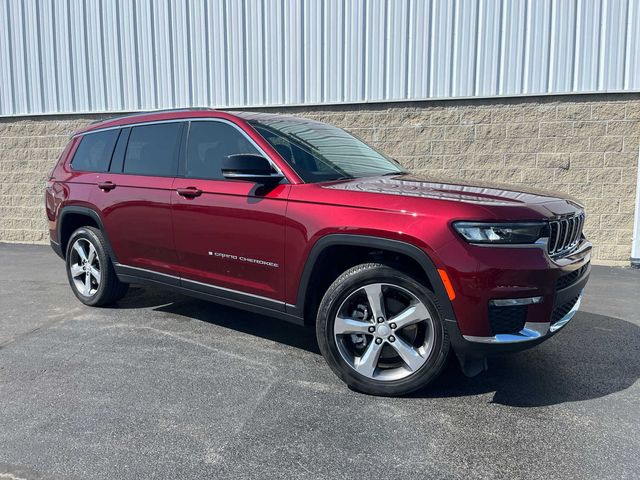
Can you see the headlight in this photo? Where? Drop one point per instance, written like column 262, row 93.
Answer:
column 510, row 233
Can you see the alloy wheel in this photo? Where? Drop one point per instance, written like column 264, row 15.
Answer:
column 384, row 332
column 85, row 267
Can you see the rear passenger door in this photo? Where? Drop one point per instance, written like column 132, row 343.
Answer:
column 135, row 198
column 229, row 234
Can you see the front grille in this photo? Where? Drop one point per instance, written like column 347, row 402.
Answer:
column 561, row 310
column 564, row 234
column 570, row 278
column 509, row 319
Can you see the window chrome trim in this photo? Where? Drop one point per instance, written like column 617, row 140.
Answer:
column 240, row 176
column 128, row 125
column 188, row 120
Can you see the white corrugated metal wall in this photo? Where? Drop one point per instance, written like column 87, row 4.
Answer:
column 76, row 56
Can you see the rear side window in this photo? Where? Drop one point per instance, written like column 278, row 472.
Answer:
column 152, row 150
column 94, row 152
column 209, row 143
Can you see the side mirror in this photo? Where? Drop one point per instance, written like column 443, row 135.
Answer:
column 251, row 168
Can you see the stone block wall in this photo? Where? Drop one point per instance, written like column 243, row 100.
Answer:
column 586, row 146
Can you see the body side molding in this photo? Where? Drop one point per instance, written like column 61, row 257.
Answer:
column 205, row 291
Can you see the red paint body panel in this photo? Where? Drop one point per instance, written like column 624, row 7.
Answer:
column 137, row 216
column 151, row 226
column 229, row 218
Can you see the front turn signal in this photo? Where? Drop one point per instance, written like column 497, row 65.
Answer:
column 447, row 284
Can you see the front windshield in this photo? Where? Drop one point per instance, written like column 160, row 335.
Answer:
column 319, row 152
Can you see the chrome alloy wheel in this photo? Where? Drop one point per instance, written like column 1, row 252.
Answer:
column 85, row 267
column 384, row 332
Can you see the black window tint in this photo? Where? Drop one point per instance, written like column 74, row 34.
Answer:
column 152, row 150
column 209, row 143
column 319, row 152
column 293, row 154
column 95, row 150
column 117, row 159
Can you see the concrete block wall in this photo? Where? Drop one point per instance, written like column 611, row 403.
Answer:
column 586, row 146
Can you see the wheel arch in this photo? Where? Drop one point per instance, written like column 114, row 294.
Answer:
column 411, row 257
column 73, row 217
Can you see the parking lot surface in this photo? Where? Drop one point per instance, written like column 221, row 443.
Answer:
column 165, row 386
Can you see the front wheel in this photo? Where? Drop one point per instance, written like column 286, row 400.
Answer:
column 381, row 331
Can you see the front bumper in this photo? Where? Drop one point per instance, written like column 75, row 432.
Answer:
column 547, row 291
column 484, row 275
column 532, row 331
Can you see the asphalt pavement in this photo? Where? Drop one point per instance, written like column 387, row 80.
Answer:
column 165, row 386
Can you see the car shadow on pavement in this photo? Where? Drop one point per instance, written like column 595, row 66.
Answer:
column 592, row 357
column 242, row 321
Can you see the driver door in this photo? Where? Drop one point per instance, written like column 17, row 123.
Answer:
column 229, row 234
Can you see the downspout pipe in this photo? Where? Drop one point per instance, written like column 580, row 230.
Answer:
column 635, row 239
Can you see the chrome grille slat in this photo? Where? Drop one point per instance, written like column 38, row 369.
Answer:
column 567, row 233
column 562, row 237
column 574, row 237
column 574, row 225
column 553, row 236
column 564, row 234
column 581, row 227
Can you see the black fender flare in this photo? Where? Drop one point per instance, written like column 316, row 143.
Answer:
column 377, row 243
column 87, row 212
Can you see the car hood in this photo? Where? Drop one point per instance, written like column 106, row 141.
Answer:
column 453, row 190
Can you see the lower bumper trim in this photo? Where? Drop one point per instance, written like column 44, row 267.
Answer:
column 531, row 331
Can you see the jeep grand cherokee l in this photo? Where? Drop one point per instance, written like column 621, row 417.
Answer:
column 298, row 219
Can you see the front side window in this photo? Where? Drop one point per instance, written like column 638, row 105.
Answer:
column 94, row 152
column 208, row 144
column 319, row 152
column 153, row 150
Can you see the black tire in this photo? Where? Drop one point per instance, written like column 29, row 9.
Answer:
column 109, row 289
column 353, row 280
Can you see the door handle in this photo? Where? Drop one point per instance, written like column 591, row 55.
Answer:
column 106, row 186
column 189, row 192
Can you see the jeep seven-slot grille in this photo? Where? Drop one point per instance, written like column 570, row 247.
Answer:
column 561, row 310
column 565, row 234
column 509, row 319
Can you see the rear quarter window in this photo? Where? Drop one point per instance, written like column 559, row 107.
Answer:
column 94, row 152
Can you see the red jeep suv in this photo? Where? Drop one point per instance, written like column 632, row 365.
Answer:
column 300, row 220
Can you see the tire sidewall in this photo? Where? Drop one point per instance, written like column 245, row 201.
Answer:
column 90, row 235
column 336, row 295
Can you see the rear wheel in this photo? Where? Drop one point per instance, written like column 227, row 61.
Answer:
column 381, row 331
column 90, row 269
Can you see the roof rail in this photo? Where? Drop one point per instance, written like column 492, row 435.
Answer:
column 148, row 112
